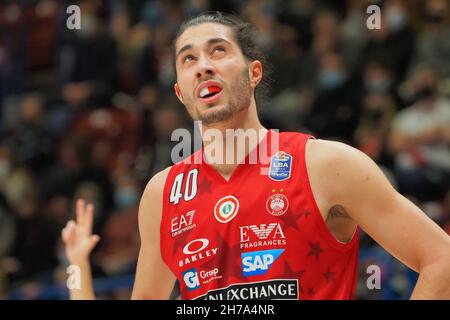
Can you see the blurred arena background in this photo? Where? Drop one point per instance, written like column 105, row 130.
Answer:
column 89, row 113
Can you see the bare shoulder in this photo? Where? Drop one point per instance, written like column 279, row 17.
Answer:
column 325, row 152
column 155, row 186
column 336, row 158
column 152, row 197
column 336, row 170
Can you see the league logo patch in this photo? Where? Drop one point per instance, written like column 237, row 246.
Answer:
column 280, row 166
column 226, row 209
column 277, row 204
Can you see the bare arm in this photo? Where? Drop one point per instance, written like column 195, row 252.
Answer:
column 348, row 177
column 80, row 241
column 399, row 141
column 153, row 278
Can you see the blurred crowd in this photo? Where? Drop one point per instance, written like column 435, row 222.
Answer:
column 89, row 113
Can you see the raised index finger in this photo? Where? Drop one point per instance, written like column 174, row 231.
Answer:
column 89, row 218
column 80, row 211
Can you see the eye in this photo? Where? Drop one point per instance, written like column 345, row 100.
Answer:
column 188, row 58
column 219, row 48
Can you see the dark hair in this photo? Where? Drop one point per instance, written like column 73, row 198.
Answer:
column 245, row 36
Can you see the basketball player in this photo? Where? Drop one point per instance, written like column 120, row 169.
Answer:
column 227, row 231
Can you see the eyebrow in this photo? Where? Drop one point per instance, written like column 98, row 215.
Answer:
column 210, row 42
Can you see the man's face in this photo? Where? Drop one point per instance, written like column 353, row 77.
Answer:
column 214, row 81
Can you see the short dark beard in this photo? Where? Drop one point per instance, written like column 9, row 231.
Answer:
column 240, row 97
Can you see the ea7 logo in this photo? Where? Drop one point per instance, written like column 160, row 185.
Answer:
column 258, row 262
column 182, row 223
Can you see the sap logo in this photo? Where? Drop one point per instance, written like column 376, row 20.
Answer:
column 191, row 279
column 258, row 262
column 182, row 223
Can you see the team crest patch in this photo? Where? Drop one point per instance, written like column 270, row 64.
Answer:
column 280, row 166
column 226, row 209
column 277, row 204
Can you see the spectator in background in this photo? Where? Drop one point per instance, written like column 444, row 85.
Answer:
column 120, row 233
column 88, row 61
column 167, row 119
column 137, row 61
column 393, row 43
column 7, row 227
column 378, row 110
column 420, row 139
column 325, row 37
column 74, row 165
column 31, row 138
column 433, row 43
column 36, row 233
column 335, row 111
column 12, row 56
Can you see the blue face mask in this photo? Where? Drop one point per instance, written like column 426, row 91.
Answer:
column 396, row 19
column 331, row 79
column 126, row 198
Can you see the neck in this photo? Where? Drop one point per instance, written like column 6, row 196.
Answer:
column 226, row 144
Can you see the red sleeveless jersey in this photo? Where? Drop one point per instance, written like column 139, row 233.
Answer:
column 257, row 235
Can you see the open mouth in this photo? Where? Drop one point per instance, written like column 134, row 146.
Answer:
column 210, row 93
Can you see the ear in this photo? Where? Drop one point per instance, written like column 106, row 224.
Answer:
column 178, row 93
column 255, row 73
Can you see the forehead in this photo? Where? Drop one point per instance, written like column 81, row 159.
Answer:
column 200, row 34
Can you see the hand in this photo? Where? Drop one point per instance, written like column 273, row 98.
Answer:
column 77, row 236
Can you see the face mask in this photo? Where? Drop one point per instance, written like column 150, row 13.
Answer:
column 126, row 198
column 331, row 79
column 396, row 19
column 424, row 93
column 380, row 85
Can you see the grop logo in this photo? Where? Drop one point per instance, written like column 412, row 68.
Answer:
column 190, row 278
column 258, row 262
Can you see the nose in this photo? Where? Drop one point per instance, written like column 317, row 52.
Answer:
column 206, row 69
